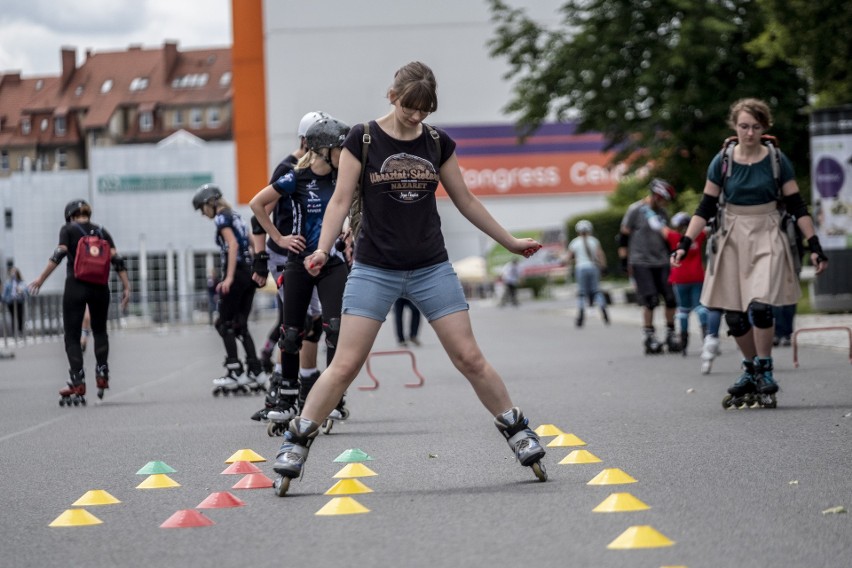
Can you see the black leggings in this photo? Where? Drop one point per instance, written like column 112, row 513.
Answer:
column 234, row 311
column 298, row 289
column 77, row 296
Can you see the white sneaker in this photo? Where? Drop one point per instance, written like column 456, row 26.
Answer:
column 709, row 352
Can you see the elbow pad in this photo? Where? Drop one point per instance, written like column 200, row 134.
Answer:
column 707, row 207
column 623, row 240
column 58, row 255
column 118, row 263
column 796, row 205
column 256, row 228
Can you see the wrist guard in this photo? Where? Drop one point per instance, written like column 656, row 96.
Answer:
column 260, row 264
column 623, row 240
column 684, row 244
column 816, row 247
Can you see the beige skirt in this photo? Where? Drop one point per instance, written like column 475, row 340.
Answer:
column 753, row 261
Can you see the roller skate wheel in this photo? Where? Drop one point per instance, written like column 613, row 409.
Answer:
column 275, row 429
column 726, row 402
column 62, row 402
column 539, row 471
column 281, row 485
column 327, row 424
column 101, row 394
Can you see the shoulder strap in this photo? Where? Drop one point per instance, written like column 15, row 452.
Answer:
column 366, row 139
column 437, row 138
column 771, row 144
column 727, row 164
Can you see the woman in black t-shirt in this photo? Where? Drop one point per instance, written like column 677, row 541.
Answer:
column 400, row 252
column 79, row 294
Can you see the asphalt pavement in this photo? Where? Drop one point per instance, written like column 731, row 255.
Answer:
column 735, row 488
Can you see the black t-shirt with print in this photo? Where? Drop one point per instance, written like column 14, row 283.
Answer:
column 400, row 225
column 282, row 213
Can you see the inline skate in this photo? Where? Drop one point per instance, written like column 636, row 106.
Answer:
column 708, row 353
column 523, row 441
column 580, row 318
column 75, row 390
column 233, row 382
column 652, row 344
column 340, row 413
column 285, row 406
column 290, row 461
column 271, row 397
column 741, row 393
column 765, row 384
column 254, row 378
column 102, row 379
column 266, row 360
column 684, row 341
column 672, row 343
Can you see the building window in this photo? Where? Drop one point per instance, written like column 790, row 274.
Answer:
column 146, row 121
column 106, row 86
column 139, row 84
column 225, row 79
column 26, row 126
column 4, row 160
column 79, row 90
column 44, row 124
column 213, row 118
column 195, row 117
column 179, row 117
column 61, row 158
column 59, row 125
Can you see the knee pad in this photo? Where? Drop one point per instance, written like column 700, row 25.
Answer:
column 669, row 297
column 761, row 315
column 651, row 301
column 313, row 329
column 291, row 340
column 332, row 330
column 738, row 324
column 222, row 327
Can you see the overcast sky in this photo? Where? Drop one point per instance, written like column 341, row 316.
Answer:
column 32, row 32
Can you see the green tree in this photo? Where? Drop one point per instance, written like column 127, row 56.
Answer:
column 656, row 77
column 814, row 35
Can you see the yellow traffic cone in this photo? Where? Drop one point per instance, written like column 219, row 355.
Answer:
column 611, row 476
column 644, row 536
column 618, row 502
column 580, row 456
column 95, row 497
column 75, row 518
column 342, row 506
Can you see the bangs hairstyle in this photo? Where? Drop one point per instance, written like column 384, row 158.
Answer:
column 84, row 211
column 415, row 87
column 755, row 107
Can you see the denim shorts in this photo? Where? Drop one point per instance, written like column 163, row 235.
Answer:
column 371, row 291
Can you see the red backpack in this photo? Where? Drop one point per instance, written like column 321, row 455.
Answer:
column 93, row 256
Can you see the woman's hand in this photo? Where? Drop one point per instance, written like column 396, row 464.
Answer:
column 315, row 262
column 35, row 286
column 525, row 247
column 820, row 262
column 676, row 257
column 225, row 286
column 293, row 243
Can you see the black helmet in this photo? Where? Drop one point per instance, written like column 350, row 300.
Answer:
column 75, row 207
column 205, row 194
column 326, row 133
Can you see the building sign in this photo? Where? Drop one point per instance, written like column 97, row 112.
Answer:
column 555, row 160
column 140, row 183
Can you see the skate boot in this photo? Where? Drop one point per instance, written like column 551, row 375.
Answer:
column 523, row 441
column 102, row 379
column 230, row 382
column 652, row 344
column 708, row 353
column 285, row 407
column 672, row 343
column 290, row 461
column 254, row 379
column 765, row 383
column 340, row 413
column 75, row 390
column 605, row 315
column 684, row 341
column 580, row 317
column 741, row 393
column 271, row 397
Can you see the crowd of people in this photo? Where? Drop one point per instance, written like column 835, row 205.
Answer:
column 339, row 273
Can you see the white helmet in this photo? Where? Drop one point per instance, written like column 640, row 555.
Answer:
column 309, row 119
column 681, row 219
column 583, row 226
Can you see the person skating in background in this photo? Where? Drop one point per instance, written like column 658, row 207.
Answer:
column 511, row 278
column 270, row 258
column 753, row 268
column 687, row 279
column 643, row 245
column 586, row 254
column 399, row 308
column 82, row 292
column 236, row 293
column 15, row 297
column 400, row 251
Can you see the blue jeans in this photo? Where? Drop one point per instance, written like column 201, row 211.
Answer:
column 688, row 299
column 435, row 290
column 588, row 281
column 784, row 316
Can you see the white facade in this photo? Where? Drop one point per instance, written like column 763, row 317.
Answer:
column 339, row 56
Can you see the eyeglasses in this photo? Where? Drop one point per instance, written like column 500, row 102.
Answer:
column 409, row 112
column 753, row 127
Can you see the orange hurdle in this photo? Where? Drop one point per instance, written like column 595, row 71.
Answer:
column 829, row 328
column 375, row 384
